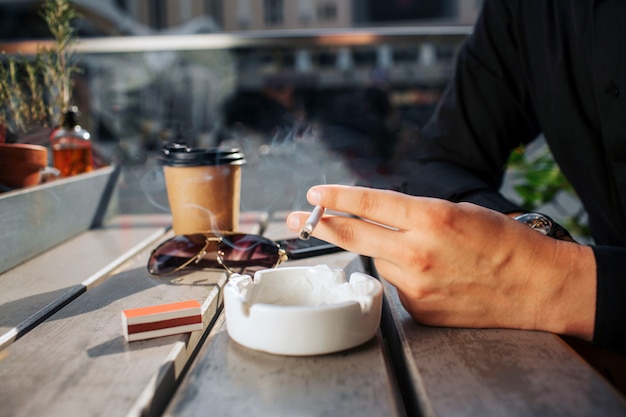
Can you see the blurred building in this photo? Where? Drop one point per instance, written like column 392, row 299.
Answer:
column 164, row 14
column 286, row 62
column 301, row 14
column 20, row 19
column 403, row 62
column 467, row 11
column 283, row 14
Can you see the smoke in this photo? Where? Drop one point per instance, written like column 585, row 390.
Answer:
column 301, row 141
column 280, row 172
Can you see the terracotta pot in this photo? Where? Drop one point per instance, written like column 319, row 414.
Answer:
column 21, row 164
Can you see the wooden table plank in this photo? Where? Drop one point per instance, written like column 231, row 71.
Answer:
column 78, row 363
column 32, row 291
column 492, row 372
column 231, row 380
column 228, row 379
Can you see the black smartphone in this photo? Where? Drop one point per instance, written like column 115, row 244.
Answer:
column 298, row 249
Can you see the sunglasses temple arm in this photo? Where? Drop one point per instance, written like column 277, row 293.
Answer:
column 203, row 262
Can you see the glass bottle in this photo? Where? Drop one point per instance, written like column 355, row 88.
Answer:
column 71, row 146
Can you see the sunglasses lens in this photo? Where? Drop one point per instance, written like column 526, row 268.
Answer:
column 239, row 251
column 175, row 252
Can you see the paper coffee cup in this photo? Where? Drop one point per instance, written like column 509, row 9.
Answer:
column 203, row 188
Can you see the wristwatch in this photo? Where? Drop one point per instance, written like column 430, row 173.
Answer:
column 545, row 225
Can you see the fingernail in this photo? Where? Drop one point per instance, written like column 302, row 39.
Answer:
column 314, row 196
column 293, row 222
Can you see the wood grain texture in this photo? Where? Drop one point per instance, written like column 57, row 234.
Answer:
column 228, row 379
column 231, row 380
column 495, row 372
column 37, row 288
column 77, row 363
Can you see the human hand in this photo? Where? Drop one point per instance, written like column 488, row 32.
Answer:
column 462, row 265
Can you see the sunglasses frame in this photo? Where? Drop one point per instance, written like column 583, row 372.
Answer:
column 282, row 254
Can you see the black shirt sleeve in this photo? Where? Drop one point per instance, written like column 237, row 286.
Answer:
column 488, row 110
column 483, row 115
column 610, row 329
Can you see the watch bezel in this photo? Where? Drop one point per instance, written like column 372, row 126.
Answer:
column 537, row 221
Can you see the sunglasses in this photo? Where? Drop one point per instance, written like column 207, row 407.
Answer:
column 234, row 252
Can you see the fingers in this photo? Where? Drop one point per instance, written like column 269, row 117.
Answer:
column 350, row 233
column 391, row 272
column 382, row 206
column 388, row 215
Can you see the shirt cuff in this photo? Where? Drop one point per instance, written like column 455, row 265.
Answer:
column 610, row 325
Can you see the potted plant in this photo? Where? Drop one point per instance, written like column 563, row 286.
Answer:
column 33, row 92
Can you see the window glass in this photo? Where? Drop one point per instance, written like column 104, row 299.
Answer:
column 273, row 12
column 312, row 91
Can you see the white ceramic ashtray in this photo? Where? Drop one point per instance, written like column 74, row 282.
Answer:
column 302, row 310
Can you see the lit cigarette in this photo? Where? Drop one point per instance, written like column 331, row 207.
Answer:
column 311, row 222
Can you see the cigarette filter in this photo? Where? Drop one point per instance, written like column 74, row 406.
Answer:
column 161, row 320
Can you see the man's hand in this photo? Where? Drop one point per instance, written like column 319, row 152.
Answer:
column 462, row 265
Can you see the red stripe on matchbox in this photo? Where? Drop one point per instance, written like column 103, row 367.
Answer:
column 163, row 324
column 163, row 308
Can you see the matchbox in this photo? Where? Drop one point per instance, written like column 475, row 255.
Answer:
column 161, row 320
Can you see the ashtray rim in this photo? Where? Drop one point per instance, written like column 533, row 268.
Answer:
column 301, row 329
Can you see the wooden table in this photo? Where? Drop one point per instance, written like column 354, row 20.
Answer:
column 62, row 352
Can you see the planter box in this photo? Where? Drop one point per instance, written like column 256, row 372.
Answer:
column 35, row 219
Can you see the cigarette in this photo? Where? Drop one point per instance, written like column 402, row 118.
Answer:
column 311, row 222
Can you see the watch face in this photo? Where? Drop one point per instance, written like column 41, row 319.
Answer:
column 539, row 222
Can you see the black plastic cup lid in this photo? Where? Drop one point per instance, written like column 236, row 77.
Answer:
column 190, row 157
